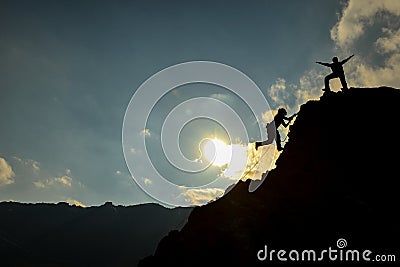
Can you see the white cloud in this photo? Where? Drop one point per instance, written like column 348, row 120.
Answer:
column 75, row 202
column 277, row 90
column 367, row 75
column 283, row 94
column 311, row 84
column 43, row 183
column 40, row 184
column 64, row 180
column 357, row 21
column 220, row 96
column 390, row 42
column 30, row 171
column 290, row 95
column 202, row 196
column 6, row 173
column 357, row 16
column 268, row 116
column 147, row 181
column 33, row 164
column 145, row 132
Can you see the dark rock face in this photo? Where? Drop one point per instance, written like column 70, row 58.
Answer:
column 337, row 177
column 64, row 235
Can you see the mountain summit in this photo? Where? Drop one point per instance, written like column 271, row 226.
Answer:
column 336, row 179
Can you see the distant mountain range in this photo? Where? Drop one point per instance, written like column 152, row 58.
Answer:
column 336, row 184
column 65, row 235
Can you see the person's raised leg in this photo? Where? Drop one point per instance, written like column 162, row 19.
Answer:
column 278, row 141
column 327, row 79
column 271, row 136
column 264, row 143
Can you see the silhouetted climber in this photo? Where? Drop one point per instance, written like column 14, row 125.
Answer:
column 272, row 129
column 337, row 72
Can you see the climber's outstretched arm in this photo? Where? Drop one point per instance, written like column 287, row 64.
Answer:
column 323, row 63
column 347, row 59
column 292, row 117
column 287, row 120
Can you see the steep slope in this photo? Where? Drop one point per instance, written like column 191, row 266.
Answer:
column 336, row 178
column 64, row 235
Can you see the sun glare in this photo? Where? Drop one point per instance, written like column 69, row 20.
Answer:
column 217, row 152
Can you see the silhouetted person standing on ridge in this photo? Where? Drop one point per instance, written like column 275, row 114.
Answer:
column 337, row 72
column 272, row 129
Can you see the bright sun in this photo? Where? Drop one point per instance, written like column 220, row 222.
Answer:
column 217, row 152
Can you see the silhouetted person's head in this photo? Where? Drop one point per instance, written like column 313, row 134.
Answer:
column 282, row 111
column 335, row 59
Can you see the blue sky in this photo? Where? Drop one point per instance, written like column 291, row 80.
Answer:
column 68, row 70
